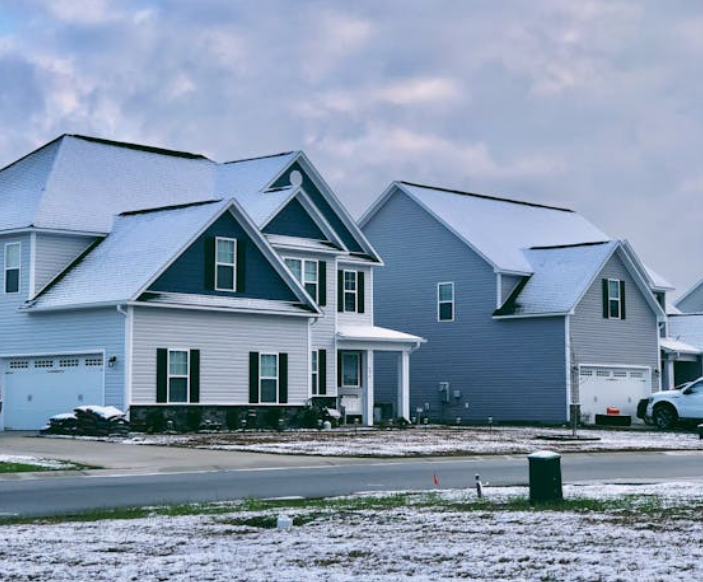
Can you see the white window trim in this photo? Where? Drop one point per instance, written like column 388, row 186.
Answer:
column 618, row 298
column 441, row 302
column 233, row 264
column 315, row 372
column 277, row 377
column 345, row 291
column 358, row 384
column 303, row 278
column 6, row 269
column 169, row 375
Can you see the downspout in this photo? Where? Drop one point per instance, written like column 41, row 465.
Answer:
column 127, row 382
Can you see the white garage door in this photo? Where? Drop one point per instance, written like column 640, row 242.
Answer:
column 36, row 388
column 623, row 388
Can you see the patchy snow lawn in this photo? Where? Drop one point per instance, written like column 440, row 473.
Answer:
column 33, row 463
column 423, row 537
column 431, row 441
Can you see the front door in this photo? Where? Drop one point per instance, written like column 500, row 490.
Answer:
column 350, row 380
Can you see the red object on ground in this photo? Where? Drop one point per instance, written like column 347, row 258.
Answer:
column 612, row 410
column 435, row 479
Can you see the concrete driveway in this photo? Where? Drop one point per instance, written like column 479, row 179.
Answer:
column 115, row 458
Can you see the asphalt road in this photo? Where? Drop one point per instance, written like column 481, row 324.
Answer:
column 61, row 495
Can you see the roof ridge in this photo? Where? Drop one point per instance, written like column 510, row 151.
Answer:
column 571, row 246
column 258, row 157
column 170, row 207
column 486, row 196
column 139, row 147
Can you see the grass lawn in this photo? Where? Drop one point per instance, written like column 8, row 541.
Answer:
column 600, row 532
column 22, row 468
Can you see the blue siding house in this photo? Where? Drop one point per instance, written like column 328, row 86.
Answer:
column 163, row 282
column 526, row 308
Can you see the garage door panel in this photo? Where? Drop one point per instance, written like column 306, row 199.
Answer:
column 37, row 388
column 602, row 387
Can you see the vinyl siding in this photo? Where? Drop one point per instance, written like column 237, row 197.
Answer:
column 187, row 273
column 224, row 341
column 54, row 252
column 632, row 341
column 353, row 318
column 510, row 370
column 323, row 330
column 322, row 205
column 58, row 332
column 294, row 220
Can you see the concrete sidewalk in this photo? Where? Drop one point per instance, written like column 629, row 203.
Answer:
column 116, row 458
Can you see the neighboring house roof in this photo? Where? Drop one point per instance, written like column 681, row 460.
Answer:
column 498, row 229
column 676, row 346
column 140, row 247
column 687, row 327
column 560, row 277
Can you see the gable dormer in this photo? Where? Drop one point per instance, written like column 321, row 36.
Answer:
column 224, row 261
column 297, row 174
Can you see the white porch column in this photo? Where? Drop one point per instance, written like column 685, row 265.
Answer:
column 404, row 384
column 670, row 374
column 369, row 392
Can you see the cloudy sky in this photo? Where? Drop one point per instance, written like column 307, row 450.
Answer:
column 592, row 104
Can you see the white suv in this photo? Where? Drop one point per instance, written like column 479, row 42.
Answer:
column 666, row 408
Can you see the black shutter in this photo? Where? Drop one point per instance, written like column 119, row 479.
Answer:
column 322, row 283
column 340, row 291
column 322, row 372
column 360, row 299
column 161, row 375
column 339, row 368
column 241, row 266
column 622, row 299
column 606, row 310
column 194, row 376
column 210, row 244
column 253, row 377
column 283, row 378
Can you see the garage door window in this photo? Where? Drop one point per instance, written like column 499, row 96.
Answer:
column 177, row 376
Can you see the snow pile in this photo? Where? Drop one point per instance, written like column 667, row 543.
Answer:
column 418, row 541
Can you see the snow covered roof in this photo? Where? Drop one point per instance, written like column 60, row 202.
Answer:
column 500, row 229
column 374, row 333
column 234, row 303
column 80, row 183
column 299, row 243
column 677, row 346
column 141, row 245
column 126, row 260
column 561, row 276
column 687, row 327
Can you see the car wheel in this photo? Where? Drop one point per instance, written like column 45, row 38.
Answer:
column 665, row 416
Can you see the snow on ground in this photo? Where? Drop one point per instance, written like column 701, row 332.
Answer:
column 36, row 461
column 431, row 441
column 422, row 539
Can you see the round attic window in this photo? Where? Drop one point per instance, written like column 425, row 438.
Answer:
column 296, row 178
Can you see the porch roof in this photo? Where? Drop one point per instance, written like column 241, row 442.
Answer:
column 372, row 333
column 672, row 345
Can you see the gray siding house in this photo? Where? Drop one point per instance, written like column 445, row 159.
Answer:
column 163, row 282
column 526, row 308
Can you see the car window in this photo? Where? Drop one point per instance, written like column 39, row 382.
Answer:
column 696, row 388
